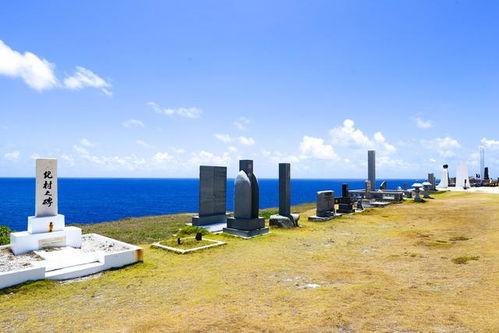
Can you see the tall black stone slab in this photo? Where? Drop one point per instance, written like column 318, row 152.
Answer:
column 346, row 202
column 284, row 219
column 212, row 196
column 371, row 168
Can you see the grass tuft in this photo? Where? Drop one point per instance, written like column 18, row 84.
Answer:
column 464, row 259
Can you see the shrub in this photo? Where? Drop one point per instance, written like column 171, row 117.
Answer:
column 191, row 230
column 4, row 235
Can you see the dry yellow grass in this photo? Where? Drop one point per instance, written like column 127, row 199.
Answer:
column 375, row 271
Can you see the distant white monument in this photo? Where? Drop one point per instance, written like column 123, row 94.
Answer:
column 47, row 228
column 444, row 179
column 462, row 179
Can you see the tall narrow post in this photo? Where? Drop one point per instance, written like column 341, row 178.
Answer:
column 284, row 189
column 371, row 168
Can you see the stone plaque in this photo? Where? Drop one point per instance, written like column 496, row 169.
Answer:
column 212, row 190
column 52, row 242
column 46, row 187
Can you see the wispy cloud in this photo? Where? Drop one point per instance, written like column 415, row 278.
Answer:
column 38, row 73
column 132, row 123
column 423, row 124
column 225, row 138
column 246, row 141
column 87, row 143
column 192, row 112
column 242, row 123
column 143, row 144
column 83, row 77
column 12, row 156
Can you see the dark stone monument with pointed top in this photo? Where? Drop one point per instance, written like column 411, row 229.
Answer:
column 246, row 221
column 284, row 219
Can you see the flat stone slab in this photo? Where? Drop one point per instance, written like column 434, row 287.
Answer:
column 246, row 234
column 182, row 251
column 320, row 218
column 65, row 257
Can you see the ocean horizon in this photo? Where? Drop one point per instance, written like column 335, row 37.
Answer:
column 94, row 200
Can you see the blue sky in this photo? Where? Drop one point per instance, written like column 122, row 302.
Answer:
column 155, row 88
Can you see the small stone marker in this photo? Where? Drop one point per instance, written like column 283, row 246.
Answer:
column 212, row 197
column 246, row 222
column 199, row 236
column 284, row 219
column 346, row 202
column 426, row 190
column 417, row 189
column 431, row 180
column 325, row 207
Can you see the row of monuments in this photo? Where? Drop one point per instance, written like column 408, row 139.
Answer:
column 462, row 180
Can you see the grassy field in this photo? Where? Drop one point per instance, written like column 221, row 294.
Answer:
column 429, row 267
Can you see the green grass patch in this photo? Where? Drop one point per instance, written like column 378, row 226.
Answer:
column 266, row 213
column 4, row 235
column 464, row 259
column 190, row 230
column 186, row 243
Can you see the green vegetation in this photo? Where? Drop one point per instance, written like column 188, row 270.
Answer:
column 459, row 238
column 189, row 230
column 464, row 259
column 4, row 235
column 186, row 243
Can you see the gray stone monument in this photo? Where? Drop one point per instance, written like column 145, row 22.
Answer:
column 383, row 186
column 371, row 168
column 246, row 222
column 417, row 189
column 212, row 198
column 284, row 219
column 431, row 179
column 346, row 202
column 325, row 207
column 426, row 190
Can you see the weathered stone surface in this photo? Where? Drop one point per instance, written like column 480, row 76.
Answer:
column 290, row 221
column 46, row 187
column 431, row 180
column 325, row 203
column 212, row 195
column 242, row 196
column 371, row 168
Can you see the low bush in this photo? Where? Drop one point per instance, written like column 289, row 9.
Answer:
column 4, row 235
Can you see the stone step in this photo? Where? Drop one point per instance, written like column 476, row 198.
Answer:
column 75, row 271
column 63, row 258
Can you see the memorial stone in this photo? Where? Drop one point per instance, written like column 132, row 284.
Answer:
column 212, row 198
column 325, row 207
column 246, row 221
column 284, row 219
column 371, row 168
column 346, row 202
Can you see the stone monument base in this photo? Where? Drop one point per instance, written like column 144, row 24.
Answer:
column 43, row 224
column 316, row 218
column 246, row 228
column 284, row 221
column 23, row 242
column 346, row 208
column 211, row 219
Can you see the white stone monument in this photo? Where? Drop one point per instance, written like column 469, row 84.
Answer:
column 47, row 228
column 444, row 179
column 462, row 179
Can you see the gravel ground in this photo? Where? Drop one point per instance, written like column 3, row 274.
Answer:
column 10, row 262
column 93, row 244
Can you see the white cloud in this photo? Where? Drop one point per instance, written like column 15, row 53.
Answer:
column 39, row 73
column 489, row 143
column 86, row 143
column 445, row 147
column 423, row 124
column 279, row 157
column 34, row 156
column 160, row 157
column 132, row 123
column 246, row 141
column 80, row 150
column 86, row 78
column 143, row 144
column 311, row 147
column 12, row 156
column 204, row 157
column 353, row 138
column 225, row 138
column 35, row 72
column 191, row 113
column 242, row 123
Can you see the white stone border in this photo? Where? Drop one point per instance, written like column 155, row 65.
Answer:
column 106, row 261
column 11, row 278
column 174, row 249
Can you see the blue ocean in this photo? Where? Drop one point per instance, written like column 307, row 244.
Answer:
column 91, row 200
